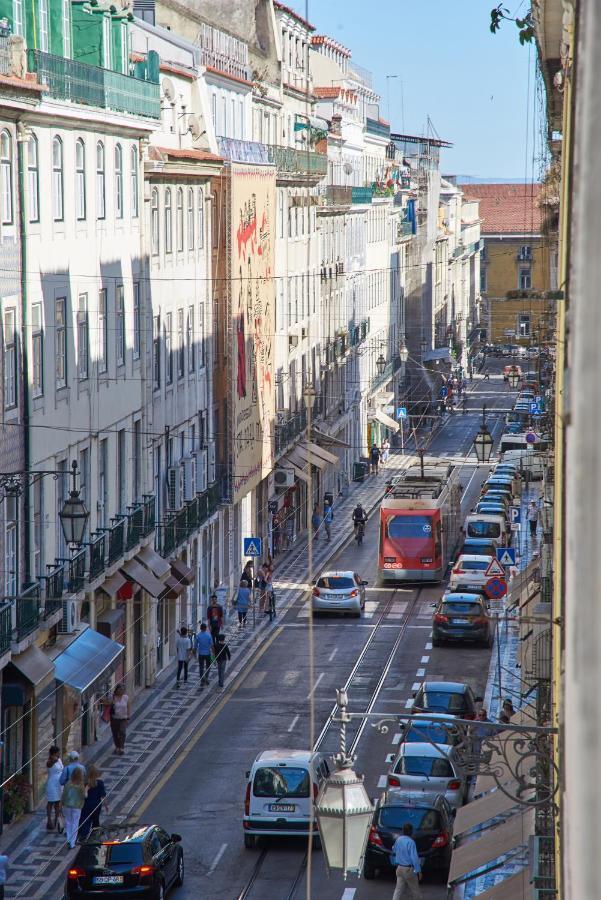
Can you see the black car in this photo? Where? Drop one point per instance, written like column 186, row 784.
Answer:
column 479, row 546
column 451, row 697
column 127, row 862
column 432, row 821
column 462, row 617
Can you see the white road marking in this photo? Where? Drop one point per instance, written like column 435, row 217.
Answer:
column 420, row 673
column 425, row 659
column 332, row 654
column 349, row 893
column 291, row 677
column 429, row 645
column 293, row 723
column 416, row 685
column 397, row 738
column 382, row 782
column 215, row 862
column 315, row 686
column 418, row 626
column 390, row 758
column 409, row 703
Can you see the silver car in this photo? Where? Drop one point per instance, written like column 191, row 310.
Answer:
column 339, row 592
column 424, row 767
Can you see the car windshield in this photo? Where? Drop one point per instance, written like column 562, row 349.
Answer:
column 461, row 608
column 432, row 766
column 336, row 582
column 281, row 781
column 410, row 527
column 483, row 530
column 474, row 565
column 421, row 819
column 444, row 701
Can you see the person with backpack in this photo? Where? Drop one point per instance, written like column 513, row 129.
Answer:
column 374, row 458
column 222, row 656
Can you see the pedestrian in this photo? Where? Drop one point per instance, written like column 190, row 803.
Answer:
column 247, row 572
column 374, row 458
column 222, row 655
column 504, row 718
column 508, row 707
column 261, row 584
column 93, row 803
column 204, row 648
column 315, row 522
column 385, row 451
column 120, row 715
column 71, row 766
column 408, row 869
column 54, row 788
column 3, row 874
column 328, row 518
column 214, row 616
column 270, row 598
column 182, row 652
column 72, row 803
column 532, row 517
column 242, row 602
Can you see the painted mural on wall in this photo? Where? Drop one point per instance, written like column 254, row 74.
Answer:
column 253, row 309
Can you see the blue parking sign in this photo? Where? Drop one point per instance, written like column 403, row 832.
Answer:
column 401, row 412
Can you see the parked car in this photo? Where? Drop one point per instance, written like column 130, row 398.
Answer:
column 432, row 819
column 339, row 592
column 451, row 697
column 421, row 767
column 428, row 727
column 479, row 547
column 464, row 617
column 469, row 571
column 126, row 861
column 488, row 522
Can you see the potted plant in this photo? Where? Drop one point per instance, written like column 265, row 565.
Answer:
column 17, row 794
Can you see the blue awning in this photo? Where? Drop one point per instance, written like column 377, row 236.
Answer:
column 88, row 661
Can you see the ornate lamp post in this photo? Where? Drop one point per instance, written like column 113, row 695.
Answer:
column 74, row 515
column 483, row 441
column 381, row 364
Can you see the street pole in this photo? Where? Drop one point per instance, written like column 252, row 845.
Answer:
column 402, row 439
column 499, row 662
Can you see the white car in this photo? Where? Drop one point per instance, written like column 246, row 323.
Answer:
column 433, row 770
column 469, row 571
column 339, row 592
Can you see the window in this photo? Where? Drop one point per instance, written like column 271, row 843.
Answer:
column 120, row 324
column 6, row 177
column 33, row 179
column 190, row 219
column 281, row 213
column 154, row 221
column 80, row 180
column 10, row 359
column 168, row 348
column 137, row 462
column 134, row 181
column 190, row 339
column 201, row 334
column 181, row 351
column 60, row 342
column 156, row 352
column 57, row 180
column 483, row 280
column 525, row 252
column 525, row 281
column 84, row 481
column 18, row 17
column 37, row 350
column 118, row 182
column 201, row 219
column 137, row 321
column 102, row 483
column 168, row 222
column 524, row 325
column 121, row 474
column 102, row 331
column 43, row 7
column 179, row 221
column 66, row 12
column 100, row 182
column 106, row 41
column 11, row 551
column 38, row 526
column 82, row 336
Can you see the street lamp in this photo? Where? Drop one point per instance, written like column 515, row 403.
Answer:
column 483, row 441
column 380, row 364
column 74, row 515
column 403, row 352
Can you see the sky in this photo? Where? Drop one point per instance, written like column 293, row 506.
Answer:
column 472, row 84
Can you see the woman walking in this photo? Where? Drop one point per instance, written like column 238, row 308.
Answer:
column 54, row 789
column 72, row 802
column 120, row 714
column 95, row 800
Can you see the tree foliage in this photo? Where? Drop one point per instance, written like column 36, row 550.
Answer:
column 525, row 26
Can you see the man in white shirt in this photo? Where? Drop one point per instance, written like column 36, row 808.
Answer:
column 182, row 652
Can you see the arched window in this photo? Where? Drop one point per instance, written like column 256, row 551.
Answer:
column 6, row 177
column 190, row 218
column 201, row 219
column 179, row 223
column 154, row 221
column 80, row 180
column 134, row 182
column 168, row 222
column 33, row 179
column 118, row 182
column 58, row 192
column 100, row 182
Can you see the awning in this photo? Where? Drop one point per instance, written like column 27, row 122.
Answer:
column 495, row 842
column 484, row 808
column 299, row 464
column 385, row 420
column 88, row 662
column 316, row 450
column 157, row 565
column 34, row 665
column 183, row 573
column 174, row 587
column 112, row 585
column 302, row 452
column 441, row 353
column 112, row 619
column 135, row 571
column 516, row 887
column 328, row 440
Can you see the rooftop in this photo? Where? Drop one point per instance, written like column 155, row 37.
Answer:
column 322, row 39
column 295, row 15
column 507, row 208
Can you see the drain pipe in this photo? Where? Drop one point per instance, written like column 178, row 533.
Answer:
column 23, row 135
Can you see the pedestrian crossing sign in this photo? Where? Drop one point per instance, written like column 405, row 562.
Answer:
column 506, row 556
column 253, row 546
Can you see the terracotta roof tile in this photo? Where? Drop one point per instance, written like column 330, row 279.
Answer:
column 294, row 14
column 507, row 208
column 159, row 153
column 326, row 93
column 318, row 39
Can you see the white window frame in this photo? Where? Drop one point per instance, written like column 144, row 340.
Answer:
column 120, row 324
column 80, row 180
column 102, row 330
column 37, row 350
column 83, row 338
column 191, row 220
column 10, row 358
column 11, row 556
column 155, row 231
column 135, row 182
column 33, row 179
column 58, row 180
column 6, row 179
column 60, row 342
column 168, row 222
column 179, row 220
column 18, row 17
column 44, row 25
column 100, row 181
column 137, row 346
column 119, row 198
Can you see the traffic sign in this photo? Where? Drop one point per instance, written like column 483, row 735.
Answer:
column 516, row 526
column 495, row 588
column 506, row 556
column 533, row 408
column 401, row 412
column 444, row 392
column 514, row 514
column 531, row 438
column 494, row 568
column 253, row 546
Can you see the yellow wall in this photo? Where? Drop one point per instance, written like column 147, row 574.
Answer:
column 503, row 315
column 503, row 266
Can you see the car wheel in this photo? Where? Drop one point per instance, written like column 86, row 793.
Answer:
column 369, row 871
column 179, row 878
column 249, row 841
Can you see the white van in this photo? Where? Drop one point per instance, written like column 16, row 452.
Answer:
column 281, row 788
column 494, row 528
column 530, row 462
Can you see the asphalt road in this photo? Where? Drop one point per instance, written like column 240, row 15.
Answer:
column 201, row 795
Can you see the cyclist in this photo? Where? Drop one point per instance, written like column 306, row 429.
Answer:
column 359, row 515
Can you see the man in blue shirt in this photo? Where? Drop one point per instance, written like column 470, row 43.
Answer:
column 408, row 869
column 204, row 648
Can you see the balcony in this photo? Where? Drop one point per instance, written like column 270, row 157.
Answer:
column 362, row 194
column 54, row 588
column 377, row 128
column 28, row 610
column 68, row 79
column 97, row 555
column 180, row 525
column 337, row 195
column 116, row 535
column 223, row 52
column 290, row 161
column 287, row 432
column 5, row 627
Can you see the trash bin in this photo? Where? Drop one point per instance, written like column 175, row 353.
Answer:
column 358, row 471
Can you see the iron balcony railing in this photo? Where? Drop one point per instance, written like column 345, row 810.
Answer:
column 135, row 525
column 224, row 52
column 297, row 162
column 28, row 610
column 69, row 79
column 6, row 626
column 287, row 432
column 180, row 525
column 97, row 555
column 76, row 569
column 149, row 514
column 54, row 588
column 116, row 535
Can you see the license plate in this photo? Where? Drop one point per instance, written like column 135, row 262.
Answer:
column 281, row 807
column 107, row 879
column 460, row 621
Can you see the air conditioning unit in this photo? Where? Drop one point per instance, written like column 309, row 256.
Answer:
column 70, row 620
column 212, row 463
column 189, row 470
column 174, row 487
column 283, row 479
column 202, row 470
